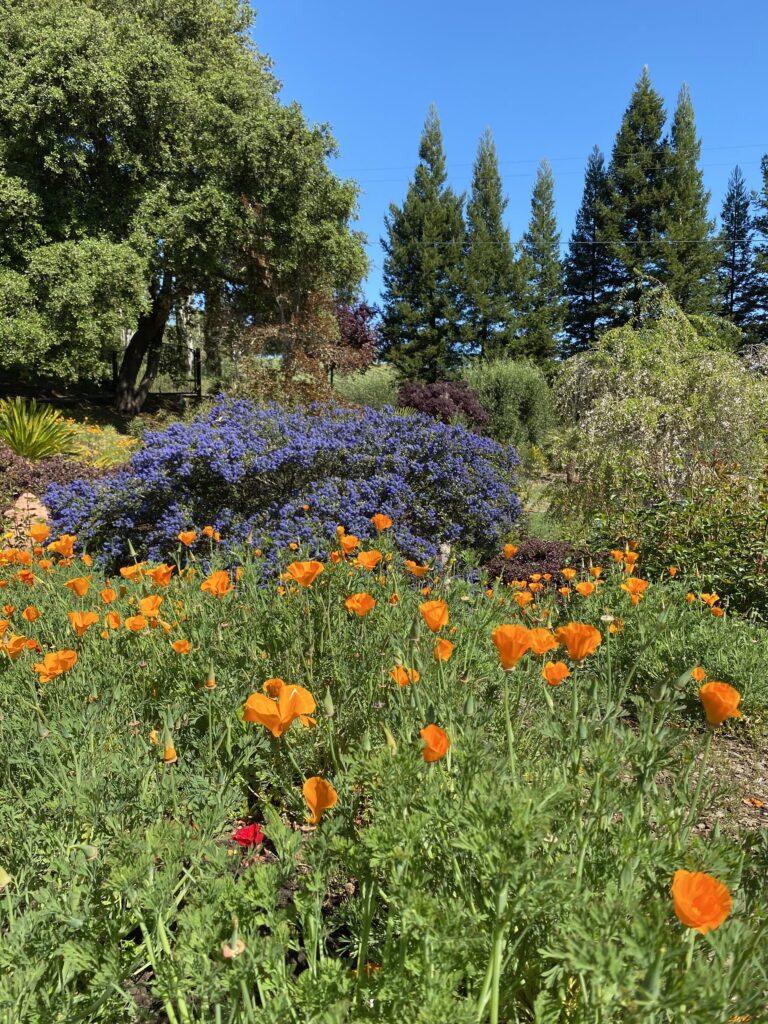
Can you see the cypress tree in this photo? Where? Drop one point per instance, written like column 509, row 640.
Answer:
column 587, row 267
column 542, row 320
column 737, row 268
column 634, row 215
column 690, row 251
column 421, row 319
column 489, row 262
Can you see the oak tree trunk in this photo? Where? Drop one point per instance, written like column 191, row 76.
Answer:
column 147, row 340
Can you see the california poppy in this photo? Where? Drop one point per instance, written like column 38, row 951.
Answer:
column 181, row 646
column 555, row 672
column 150, row 606
column 443, row 650
column 360, row 604
column 208, row 531
column 672, row 570
column 700, row 900
column 512, row 642
column 320, row 796
column 14, row 646
column 30, row 613
column 579, row 639
column 630, row 557
column 717, row 612
column 79, row 585
column 304, row 573
column 541, row 641
column 218, row 584
column 188, row 537
column 617, row 554
column 108, row 595
column 368, row 560
column 113, row 620
column 698, row 674
column 135, row 623
column 635, row 587
column 403, row 676
column 586, row 589
column 348, row 543
column 381, row 522
column 523, row 598
column 277, row 715
column 161, row 574
column 39, row 533
column 82, row 621
column 416, row 570
column 54, row 664
column 596, row 571
column 720, row 701
column 568, row 574
column 435, row 614
column 436, row 743
column 510, row 550
column 273, row 686
column 170, row 756
column 64, row 546
column 132, row 572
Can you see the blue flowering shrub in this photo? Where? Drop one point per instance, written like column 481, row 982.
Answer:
column 267, row 477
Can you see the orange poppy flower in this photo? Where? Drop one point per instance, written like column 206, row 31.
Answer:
column 435, row 615
column 395, row 599
column 39, row 533
column 617, row 554
column 541, row 641
column 698, row 674
column 510, row 550
column 403, row 676
column 700, row 900
column 278, row 715
column 304, row 573
column 443, row 650
column 585, row 589
column 436, row 743
column 55, row 664
column 320, row 796
column 535, row 587
column 4, row 624
column 672, row 570
column 568, row 574
column 360, row 604
column 170, row 755
column 512, row 642
column 131, row 572
column 416, row 570
column 45, row 563
column 150, row 606
column 381, row 522
column 535, row 577
column 14, row 646
column 635, row 587
column 108, row 595
column 523, row 598
column 188, row 537
column 161, row 574
column 596, row 571
column 64, row 546
column 717, row 612
column 87, row 560
column 135, row 623
column 616, row 626
column 112, row 619
column 181, row 646
column 82, row 621
column 79, row 585
column 25, row 576
column 564, row 591
column 218, row 584
column 630, row 557
column 690, row 598
column 335, row 557
column 579, row 639
column 273, row 686
column 555, row 672
column 8, row 609
column 720, row 701
column 208, row 531
column 348, row 543
column 368, row 560
column 30, row 613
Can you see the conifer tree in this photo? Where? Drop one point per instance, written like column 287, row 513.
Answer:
column 545, row 307
column 690, row 250
column 634, row 216
column 489, row 262
column 760, row 278
column 737, row 267
column 421, row 320
column 587, row 267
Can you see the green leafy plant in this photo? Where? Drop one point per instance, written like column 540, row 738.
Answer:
column 35, row 431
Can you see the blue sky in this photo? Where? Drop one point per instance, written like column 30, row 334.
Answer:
column 550, row 78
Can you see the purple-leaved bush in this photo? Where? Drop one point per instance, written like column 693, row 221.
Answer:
column 250, row 472
column 444, row 400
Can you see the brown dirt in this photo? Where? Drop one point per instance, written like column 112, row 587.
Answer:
column 27, row 509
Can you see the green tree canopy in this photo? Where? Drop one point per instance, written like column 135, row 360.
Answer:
column 422, row 314
column 737, row 266
column 145, row 160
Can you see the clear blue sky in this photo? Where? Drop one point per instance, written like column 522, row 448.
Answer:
column 550, row 78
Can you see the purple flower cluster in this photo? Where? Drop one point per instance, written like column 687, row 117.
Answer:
column 267, row 477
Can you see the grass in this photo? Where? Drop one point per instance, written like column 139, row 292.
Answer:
column 525, row 876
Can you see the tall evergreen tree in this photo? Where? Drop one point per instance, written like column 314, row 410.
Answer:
column 690, row 250
column 760, row 279
column 421, row 320
column 542, row 320
column 737, row 267
column 489, row 262
column 587, row 267
column 634, row 216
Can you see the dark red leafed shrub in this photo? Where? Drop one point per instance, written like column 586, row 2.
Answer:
column 445, row 401
column 535, row 556
column 19, row 475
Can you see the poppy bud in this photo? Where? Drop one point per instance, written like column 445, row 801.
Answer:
column 365, row 743
column 469, row 705
column 328, row 704
column 5, row 878
column 391, row 742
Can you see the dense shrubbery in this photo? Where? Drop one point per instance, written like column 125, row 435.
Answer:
column 376, row 387
column 516, row 396
column 531, row 557
column 18, row 475
column 450, row 401
column 274, row 477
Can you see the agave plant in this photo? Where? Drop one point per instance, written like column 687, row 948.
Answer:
column 34, row 431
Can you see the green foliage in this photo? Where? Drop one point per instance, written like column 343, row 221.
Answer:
column 737, row 266
column 421, row 317
column 544, row 308
column 466, row 890
column 517, row 397
column 375, row 387
column 34, row 431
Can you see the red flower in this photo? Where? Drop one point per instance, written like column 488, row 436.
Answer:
column 248, row 835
